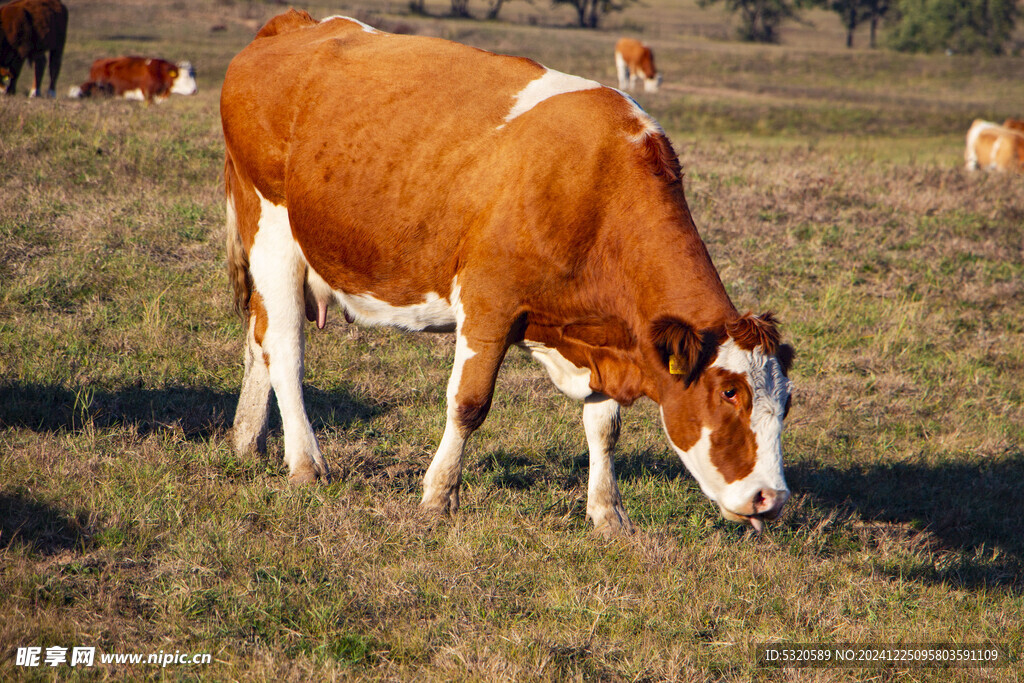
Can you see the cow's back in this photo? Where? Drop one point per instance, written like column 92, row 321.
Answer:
column 398, row 155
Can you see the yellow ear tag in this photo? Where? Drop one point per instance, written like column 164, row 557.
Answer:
column 675, row 365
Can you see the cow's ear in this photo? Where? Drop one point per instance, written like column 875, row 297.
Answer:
column 683, row 350
column 751, row 331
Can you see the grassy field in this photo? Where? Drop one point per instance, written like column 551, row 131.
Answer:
column 828, row 185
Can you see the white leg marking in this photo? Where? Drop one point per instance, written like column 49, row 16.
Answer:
column 250, row 428
column 277, row 269
column 604, row 503
column 441, row 483
column 549, row 85
column 622, row 71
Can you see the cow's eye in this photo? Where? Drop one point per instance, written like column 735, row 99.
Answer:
column 729, row 395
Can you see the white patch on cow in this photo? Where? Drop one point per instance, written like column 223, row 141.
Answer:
column 976, row 129
column 462, row 350
column 366, row 27
column 75, row 92
column 770, row 389
column 441, row 482
column 571, row 380
column 698, row 461
column 648, row 125
column 549, row 85
column 135, row 95
column 652, row 83
column 185, row 82
column 434, row 314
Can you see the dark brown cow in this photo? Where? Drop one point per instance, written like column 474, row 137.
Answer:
column 432, row 186
column 30, row 30
column 138, row 78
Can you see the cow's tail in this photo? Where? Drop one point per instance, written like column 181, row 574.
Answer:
column 238, row 258
column 238, row 272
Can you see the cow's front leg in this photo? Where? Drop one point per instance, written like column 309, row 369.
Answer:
column 604, row 503
column 470, row 388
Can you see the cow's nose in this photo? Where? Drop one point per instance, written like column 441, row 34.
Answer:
column 768, row 502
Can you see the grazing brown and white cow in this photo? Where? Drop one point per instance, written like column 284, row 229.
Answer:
column 138, row 78
column 992, row 147
column 424, row 184
column 29, row 29
column 635, row 60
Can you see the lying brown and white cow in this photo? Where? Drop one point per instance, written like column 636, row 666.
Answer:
column 992, row 147
column 29, row 29
column 424, row 184
column 1014, row 124
column 138, row 78
column 635, row 60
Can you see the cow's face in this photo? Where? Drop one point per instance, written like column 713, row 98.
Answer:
column 722, row 406
column 652, row 84
column 185, row 80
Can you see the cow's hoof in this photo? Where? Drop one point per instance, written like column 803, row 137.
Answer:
column 611, row 521
column 440, row 506
column 303, row 476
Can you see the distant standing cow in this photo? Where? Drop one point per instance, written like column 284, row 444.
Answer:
column 991, row 147
column 30, row 30
column 138, row 78
column 431, row 186
column 635, row 60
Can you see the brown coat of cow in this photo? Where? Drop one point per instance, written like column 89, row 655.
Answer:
column 142, row 78
column 30, row 30
column 634, row 61
column 992, row 147
column 436, row 187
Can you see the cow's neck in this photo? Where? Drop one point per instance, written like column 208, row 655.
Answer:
column 607, row 329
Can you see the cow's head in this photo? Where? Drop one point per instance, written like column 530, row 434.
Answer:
column 652, row 83
column 184, row 80
column 724, row 395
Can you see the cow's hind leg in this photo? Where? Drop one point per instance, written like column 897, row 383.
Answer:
column 39, row 62
column 621, row 71
column 470, row 388
column 601, row 422
column 278, row 274
column 251, row 416
column 56, row 58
